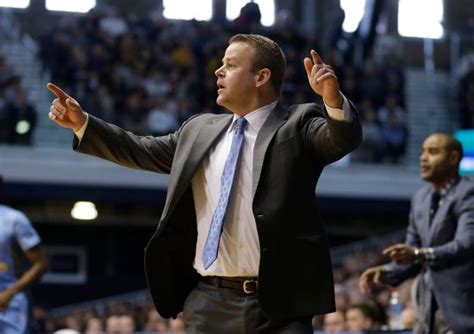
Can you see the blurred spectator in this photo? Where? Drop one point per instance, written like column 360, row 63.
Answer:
column 38, row 321
column 113, row 23
column 372, row 86
column 163, row 117
column 155, row 323
column 393, row 77
column 341, row 296
column 359, row 317
column 94, row 325
column 379, row 313
column 177, row 325
column 335, row 322
column 408, row 317
column 17, row 115
column 126, row 324
column 73, row 323
column 9, row 28
column 112, row 324
column 20, row 120
column 249, row 19
column 393, row 131
column 372, row 133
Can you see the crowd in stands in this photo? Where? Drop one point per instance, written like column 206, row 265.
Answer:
column 148, row 75
column 118, row 318
column 357, row 312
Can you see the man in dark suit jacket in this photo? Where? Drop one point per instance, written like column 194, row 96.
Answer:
column 273, row 271
column 439, row 244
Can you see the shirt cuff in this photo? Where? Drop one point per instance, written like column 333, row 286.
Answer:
column 343, row 114
column 425, row 255
column 80, row 133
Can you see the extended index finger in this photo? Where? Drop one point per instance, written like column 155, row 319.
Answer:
column 316, row 58
column 393, row 248
column 58, row 92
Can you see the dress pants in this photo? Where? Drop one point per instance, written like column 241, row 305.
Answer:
column 217, row 310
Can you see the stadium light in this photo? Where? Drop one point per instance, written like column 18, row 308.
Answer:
column 22, row 127
column 82, row 6
column 15, row 3
column 428, row 25
column 353, row 11
column 84, row 211
column 187, row 10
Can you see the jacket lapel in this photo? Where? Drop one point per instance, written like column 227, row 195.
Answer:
column 207, row 137
column 422, row 215
column 195, row 152
column 439, row 216
column 276, row 119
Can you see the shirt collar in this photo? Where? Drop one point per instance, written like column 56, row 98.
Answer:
column 257, row 117
column 448, row 186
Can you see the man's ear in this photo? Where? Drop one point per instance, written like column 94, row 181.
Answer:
column 262, row 77
column 454, row 158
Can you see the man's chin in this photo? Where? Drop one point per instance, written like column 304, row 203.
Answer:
column 220, row 102
column 425, row 177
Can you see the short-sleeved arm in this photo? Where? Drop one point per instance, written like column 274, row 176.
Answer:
column 24, row 233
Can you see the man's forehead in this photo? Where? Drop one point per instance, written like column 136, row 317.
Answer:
column 229, row 57
column 435, row 141
column 236, row 48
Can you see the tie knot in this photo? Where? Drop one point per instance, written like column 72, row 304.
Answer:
column 240, row 124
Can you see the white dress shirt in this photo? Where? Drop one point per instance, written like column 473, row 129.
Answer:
column 239, row 249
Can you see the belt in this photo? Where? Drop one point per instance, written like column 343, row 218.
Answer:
column 247, row 285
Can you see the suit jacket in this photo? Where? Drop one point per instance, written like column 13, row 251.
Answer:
column 291, row 149
column 451, row 234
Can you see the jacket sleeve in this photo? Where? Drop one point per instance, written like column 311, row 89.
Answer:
column 112, row 143
column 461, row 248
column 330, row 139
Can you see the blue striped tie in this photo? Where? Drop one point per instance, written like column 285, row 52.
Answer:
column 209, row 254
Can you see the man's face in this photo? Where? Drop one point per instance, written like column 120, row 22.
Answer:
column 127, row 324
column 236, row 81
column 436, row 162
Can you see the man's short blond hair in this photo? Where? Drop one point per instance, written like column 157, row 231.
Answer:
column 268, row 54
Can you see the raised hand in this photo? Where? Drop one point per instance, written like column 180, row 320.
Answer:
column 370, row 278
column 323, row 80
column 65, row 111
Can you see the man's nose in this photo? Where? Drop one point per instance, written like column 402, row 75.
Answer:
column 218, row 72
